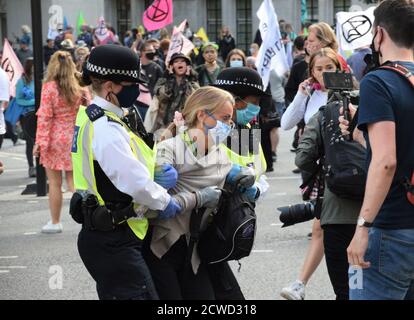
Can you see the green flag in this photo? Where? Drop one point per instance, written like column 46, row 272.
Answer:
column 304, row 11
column 81, row 22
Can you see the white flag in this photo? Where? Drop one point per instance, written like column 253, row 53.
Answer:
column 354, row 29
column 179, row 43
column 272, row 55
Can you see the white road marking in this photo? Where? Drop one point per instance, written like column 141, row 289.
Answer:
column 12, row 154
column 262, row 251
column 15, row 158
column 9, row 257
column 285, row 178
column 13, row 267
column 33, row 201
column 277, row 224
column 4, row 271
column 14, row 170
column 30, row 233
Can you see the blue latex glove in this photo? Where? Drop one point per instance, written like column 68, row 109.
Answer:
column 242, row 176
column 251, row 193
column 234, row 172
column 171, row 211
column 166, row 176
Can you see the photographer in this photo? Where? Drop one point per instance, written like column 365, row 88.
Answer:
column 386, row 223
column 339, row 214
column 311, row 96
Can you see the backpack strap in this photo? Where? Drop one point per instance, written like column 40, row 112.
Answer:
column 195, row 226
column 403, row 71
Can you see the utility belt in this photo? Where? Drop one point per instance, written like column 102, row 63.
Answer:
column 86, row 210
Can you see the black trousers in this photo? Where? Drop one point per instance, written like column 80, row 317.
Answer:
column 224, row 282
column 336, row 239
column 267, row 145
column 1, row 139
column 115, row 262
column 29, row 143
column 174, row 277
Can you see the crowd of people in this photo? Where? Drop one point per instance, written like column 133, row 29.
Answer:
column 197, row 110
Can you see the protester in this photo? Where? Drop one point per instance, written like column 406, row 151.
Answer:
column 150, row 69
column 25, row 98
column 202, row 168
column 226, row 42
column 357, row 63
column 48, row 50
column 254, row 50
column 235, row 58
column 60, row 101
column 171, row 93
column 4, row 100
column 208, row 72
column 24, row 51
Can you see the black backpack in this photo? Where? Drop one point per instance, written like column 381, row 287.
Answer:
column 344, row 161
column 230, row 233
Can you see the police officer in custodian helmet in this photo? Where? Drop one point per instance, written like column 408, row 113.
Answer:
column 113, row 174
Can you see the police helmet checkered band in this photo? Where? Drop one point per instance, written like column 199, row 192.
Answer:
column 232, row 83
column 106, row 71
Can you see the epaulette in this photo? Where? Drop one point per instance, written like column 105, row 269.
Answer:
column 94, row 112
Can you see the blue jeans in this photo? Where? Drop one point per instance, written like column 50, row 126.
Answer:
column 391, row 275
column 280, row 108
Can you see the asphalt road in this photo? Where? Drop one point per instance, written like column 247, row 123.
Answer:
column 37, row 266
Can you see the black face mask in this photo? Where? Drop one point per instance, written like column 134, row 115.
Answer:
column 373, row 60
column 128, row 95
column 150, row 55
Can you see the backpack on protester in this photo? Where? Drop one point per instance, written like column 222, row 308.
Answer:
column 230, row 233
column 344, row 161
column 404, row 72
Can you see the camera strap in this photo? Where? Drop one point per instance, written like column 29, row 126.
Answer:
column 401, row 70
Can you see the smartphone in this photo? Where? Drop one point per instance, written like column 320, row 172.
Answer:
column 338, row 81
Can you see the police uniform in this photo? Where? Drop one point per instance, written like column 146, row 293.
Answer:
column 240, row 82
column 116, row 167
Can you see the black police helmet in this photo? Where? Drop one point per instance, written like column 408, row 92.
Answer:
column 241, row 82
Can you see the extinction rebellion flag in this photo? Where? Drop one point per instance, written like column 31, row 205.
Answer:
column 158, row 15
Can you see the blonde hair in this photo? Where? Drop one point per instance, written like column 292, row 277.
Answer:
column 325, row 35
column 62, row 70
column 208, row 99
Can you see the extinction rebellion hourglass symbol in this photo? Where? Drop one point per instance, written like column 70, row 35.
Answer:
column 159, row 11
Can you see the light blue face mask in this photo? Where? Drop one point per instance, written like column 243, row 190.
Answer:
column 220, row 132
column 236, row 64
column 246, row 115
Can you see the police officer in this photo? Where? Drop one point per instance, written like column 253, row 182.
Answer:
column 247, row 88
column 113, row 175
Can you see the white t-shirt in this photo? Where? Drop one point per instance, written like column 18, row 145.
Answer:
column 4, row 97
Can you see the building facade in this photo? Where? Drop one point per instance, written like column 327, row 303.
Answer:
column 239, row 15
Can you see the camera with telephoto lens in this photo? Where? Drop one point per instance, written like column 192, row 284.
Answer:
column 302, row 212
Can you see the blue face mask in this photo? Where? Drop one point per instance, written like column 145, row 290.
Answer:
column 246, row 115
column 220, row 132
column 128, row 95
column 236, row 63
